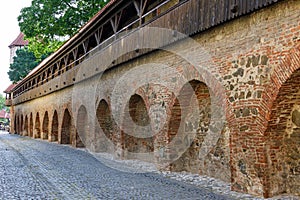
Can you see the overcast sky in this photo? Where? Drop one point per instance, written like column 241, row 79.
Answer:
column 9, row 11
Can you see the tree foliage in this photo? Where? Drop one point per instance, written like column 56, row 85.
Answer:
column 2, row 103
column 24, row 62
column 40, row 47
column 47, row 23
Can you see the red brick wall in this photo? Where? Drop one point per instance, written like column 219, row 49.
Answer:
column 53, row 136
column 66, row 129
column 282, row 134
column 45, row 127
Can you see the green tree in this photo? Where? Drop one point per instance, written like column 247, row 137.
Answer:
column 48, row 23
column 3, row 107
column 2, row 103
column 24, row 62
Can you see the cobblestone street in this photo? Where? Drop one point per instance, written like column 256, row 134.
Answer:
column 36, row 169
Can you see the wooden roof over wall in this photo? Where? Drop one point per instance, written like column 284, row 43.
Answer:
column 194, row 16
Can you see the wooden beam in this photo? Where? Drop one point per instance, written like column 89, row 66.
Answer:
column 85, row 45
column 140, row 8
column 98, row 34
column 74, row 52
column 137, row 7
column 115, row 21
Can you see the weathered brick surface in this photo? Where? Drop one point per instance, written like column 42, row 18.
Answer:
column 251, row 65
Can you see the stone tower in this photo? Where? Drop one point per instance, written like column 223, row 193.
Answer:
column 18, row 43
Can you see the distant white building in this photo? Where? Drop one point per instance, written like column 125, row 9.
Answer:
column 18, row 43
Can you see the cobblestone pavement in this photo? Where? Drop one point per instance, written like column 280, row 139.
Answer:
column 211, row 184
column 36, row 169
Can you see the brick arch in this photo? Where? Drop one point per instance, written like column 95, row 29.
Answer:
column 82, row 125
column 31, row 125
column 249, row 153
column 283, row 136
column 106, row 121
column 54, row 127
column 18, row 125
column 282, row 73
column 21, row 125
column 37, row 126
column 15, row 124
column 66, row 128
column 45, row 128
column 138, row 110
column 26, row 127
column 135, row 125
column 283, row 130
column 182, row 124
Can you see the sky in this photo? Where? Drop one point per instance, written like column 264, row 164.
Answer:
column 9, row 11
